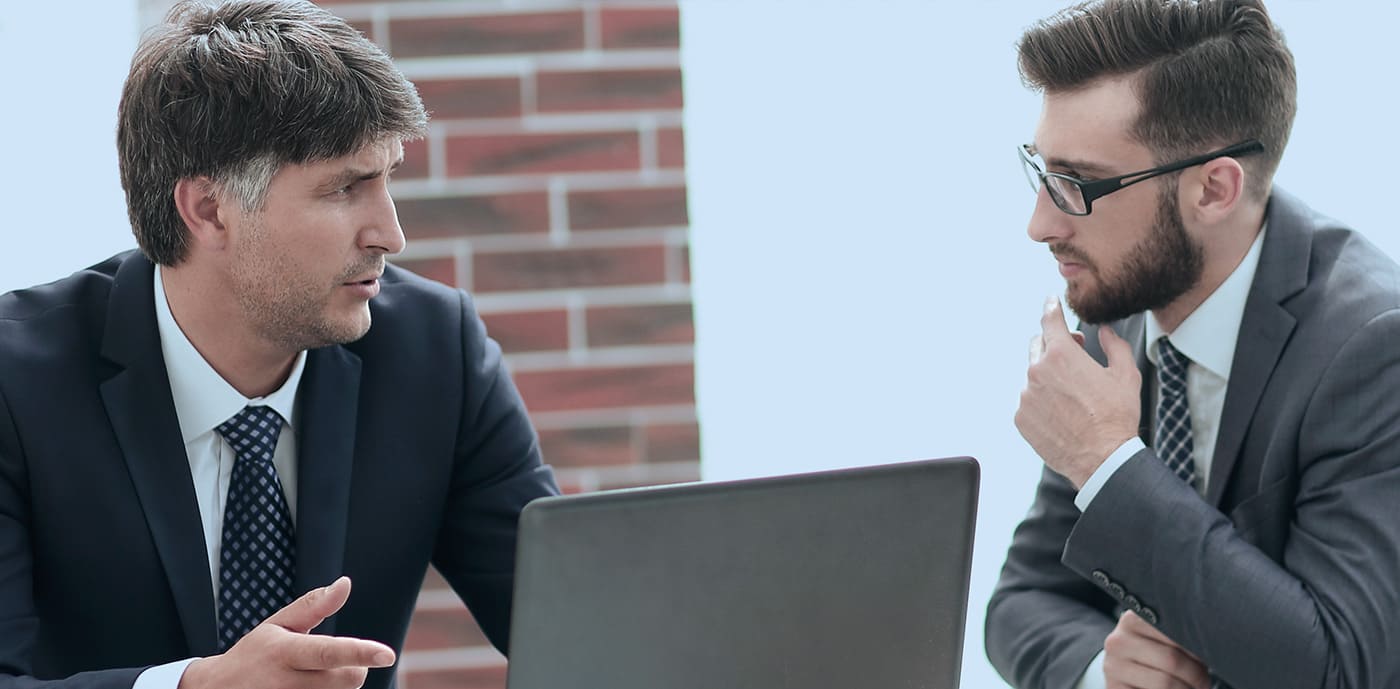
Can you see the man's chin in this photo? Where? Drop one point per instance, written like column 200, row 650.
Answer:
column 343, row 330
column 1086, row 309
column 354, row 330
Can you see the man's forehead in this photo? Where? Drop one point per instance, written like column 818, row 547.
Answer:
column 1091, row 124
column 379, row 154
column 373, row 158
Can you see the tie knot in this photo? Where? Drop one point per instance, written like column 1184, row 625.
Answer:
column 253, row 431
column 1171, row 363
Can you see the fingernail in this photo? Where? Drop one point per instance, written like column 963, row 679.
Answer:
column 1051, row 302
column 384, row 658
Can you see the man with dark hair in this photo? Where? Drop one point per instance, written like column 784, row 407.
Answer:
column 1222, row 441
column 202, row 444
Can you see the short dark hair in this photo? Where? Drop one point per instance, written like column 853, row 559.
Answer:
column 1208, row 73
column 235, row 91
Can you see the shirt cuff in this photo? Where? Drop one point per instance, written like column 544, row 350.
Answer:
column 1093, row 675
column 165, row 676
column 1105, row 470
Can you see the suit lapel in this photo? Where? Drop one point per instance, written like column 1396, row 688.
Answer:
column 1264, row 330
column 142, row 413
column 329, row 401
column 1134, row 331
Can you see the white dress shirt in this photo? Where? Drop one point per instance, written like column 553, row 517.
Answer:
column 1207, row 337
column 203, row 400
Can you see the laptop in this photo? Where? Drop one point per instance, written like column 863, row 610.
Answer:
column 855, row 578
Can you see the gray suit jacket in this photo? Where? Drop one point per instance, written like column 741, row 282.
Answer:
column 1287, row 573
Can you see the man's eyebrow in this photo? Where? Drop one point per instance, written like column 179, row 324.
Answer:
column 352, row 175
column 1082, row 167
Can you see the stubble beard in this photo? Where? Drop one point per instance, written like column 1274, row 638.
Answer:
column 1157, row 271
column 289, row 307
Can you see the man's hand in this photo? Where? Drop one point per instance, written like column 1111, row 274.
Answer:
column 1137, row 655
column 280, row 653
column 1074, row 412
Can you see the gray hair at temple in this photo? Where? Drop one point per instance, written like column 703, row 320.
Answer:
column 236, row 90
column 1209, row 73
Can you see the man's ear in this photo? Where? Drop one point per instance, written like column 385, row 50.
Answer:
column 1219, row 186
column 198, row 201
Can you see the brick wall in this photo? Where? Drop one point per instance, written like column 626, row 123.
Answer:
column 552, row 187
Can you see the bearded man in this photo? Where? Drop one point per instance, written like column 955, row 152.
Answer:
column 1221, row 441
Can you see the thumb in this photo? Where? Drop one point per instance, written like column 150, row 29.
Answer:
column 303, row 614
column 1118, row 351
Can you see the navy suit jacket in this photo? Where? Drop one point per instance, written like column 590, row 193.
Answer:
column 414, row 448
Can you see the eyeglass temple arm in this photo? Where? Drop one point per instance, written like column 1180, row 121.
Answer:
column 1097, row 188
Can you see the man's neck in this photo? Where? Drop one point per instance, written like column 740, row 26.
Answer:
column 1225, row 247
column 218, row 330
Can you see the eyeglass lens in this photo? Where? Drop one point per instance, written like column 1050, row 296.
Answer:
column 1065, row 193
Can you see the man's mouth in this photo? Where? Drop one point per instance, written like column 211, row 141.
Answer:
column 1068, row 257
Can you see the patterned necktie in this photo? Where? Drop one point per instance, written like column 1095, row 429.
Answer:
column 1173, row 435
column 258, row 556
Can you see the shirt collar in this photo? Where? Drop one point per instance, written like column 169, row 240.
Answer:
column 203, row 399
column 1207, row 337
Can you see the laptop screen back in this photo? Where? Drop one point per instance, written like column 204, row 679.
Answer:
column 839, row 579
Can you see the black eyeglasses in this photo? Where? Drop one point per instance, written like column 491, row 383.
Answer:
column 1076, row 196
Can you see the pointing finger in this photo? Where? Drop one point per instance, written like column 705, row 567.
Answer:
column 315, row 652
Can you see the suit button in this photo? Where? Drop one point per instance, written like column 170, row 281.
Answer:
column 1132, row 603
column 1149, row 615
column 1117, row 590
column 1099, row 577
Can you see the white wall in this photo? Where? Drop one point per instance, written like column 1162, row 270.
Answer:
column 864, row 289
column 61, row 203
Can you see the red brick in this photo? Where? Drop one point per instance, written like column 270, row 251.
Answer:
column 670, row 148
column 641, row 27
column 364, row 27
column 620, row 208
column 470, row 98
column 463, row 678
column 474, row 216
column 615, row 326
column 678, row 442
column 641, row 89
column 451, row 628
column 443, row 269
column 536, row 32
column 585, row 447
column 568, row 487
column 598, row 388
column 529, row 331
column 525, row 153
column 568, row 268
column 415, row 160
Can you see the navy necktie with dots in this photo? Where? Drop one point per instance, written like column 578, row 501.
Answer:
column 258, row 556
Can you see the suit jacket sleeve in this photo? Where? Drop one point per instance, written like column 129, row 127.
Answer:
column 1045, row 623
column 1318, row 613
column 497, row 470
column 19, row 621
